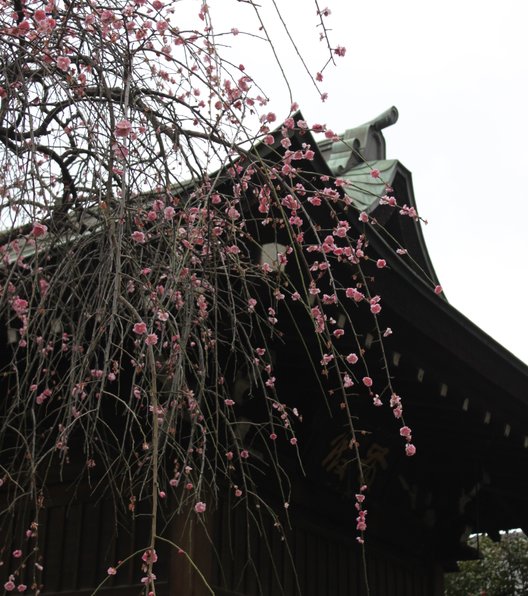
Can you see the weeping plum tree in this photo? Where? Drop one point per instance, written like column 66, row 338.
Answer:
column 133, row 282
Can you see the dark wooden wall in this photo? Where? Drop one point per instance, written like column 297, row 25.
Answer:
column 78, row 540
column 316, row 560
column 240, row 551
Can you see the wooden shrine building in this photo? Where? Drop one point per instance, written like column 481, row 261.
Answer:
column 467, row 400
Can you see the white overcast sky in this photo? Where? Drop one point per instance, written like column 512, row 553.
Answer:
column 458, row 73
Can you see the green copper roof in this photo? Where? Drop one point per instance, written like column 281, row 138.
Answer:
column 365, row 190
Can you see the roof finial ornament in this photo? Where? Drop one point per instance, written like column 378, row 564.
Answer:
column 362, row 143
column 388, row 118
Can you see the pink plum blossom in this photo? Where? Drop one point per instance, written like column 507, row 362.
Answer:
column 405, row 431
column 123, row 128
column 39, row 230
column 410, row 449
column 149, row 556
column 200, row 507
column 347, row 381
column 162, row 26
column 140, row 328
column 367, row 381
column 151, row 339
column 355, row 294
column 148, row 579
column 24, row 27
column 169, row 212
column 326, row 359
column 63, row 62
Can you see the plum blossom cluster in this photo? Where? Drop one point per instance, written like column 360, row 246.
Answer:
column 361, row 520
column 148, row 558
column 11, row 586
column 405, row 432
column 136, row 283
column 179, row 252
